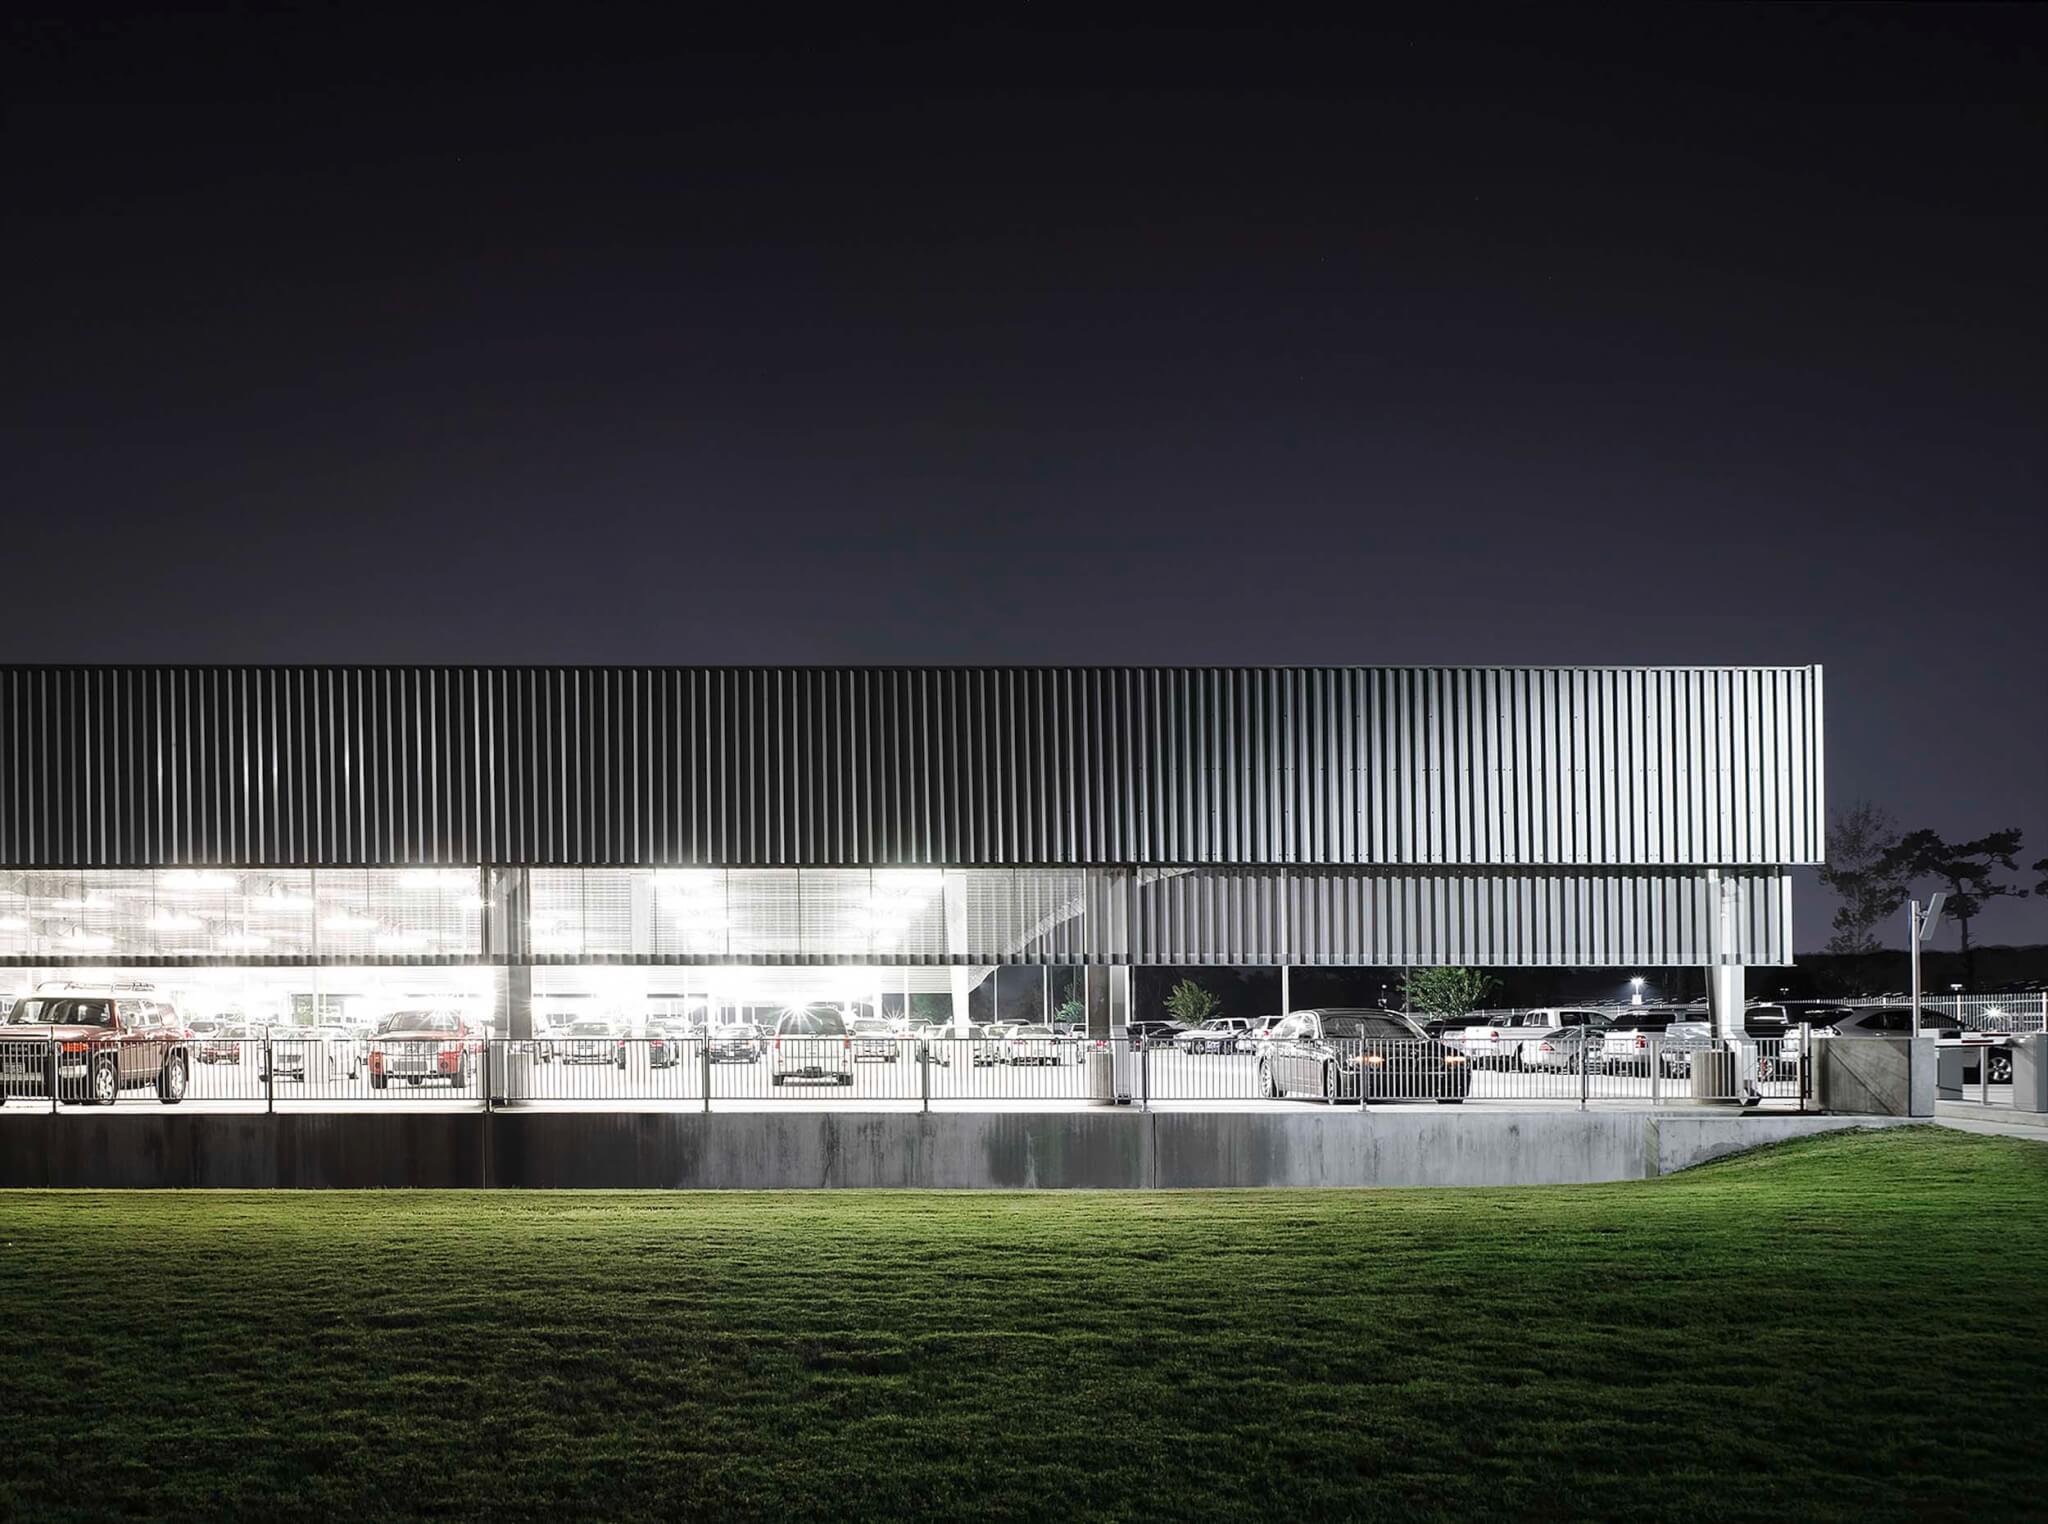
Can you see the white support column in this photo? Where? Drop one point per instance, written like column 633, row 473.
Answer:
column 1286, row 998
column 1724, row 971
column 963, row 981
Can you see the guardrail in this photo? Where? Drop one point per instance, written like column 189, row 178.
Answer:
column 2017, row 1014
column 886, row 1072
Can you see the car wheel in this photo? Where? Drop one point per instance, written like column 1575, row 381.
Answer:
column 106, row 1083
column 1330, row 1083
column 775, row 1080
column 1269, row 1084
column 170, row 1080
column 379, row 1081
column 460, row 1078
column 2001, row 1070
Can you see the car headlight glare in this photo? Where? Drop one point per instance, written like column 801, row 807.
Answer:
column 1454, row 1058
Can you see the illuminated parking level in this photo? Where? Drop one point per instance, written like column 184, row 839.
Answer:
column 557, row 885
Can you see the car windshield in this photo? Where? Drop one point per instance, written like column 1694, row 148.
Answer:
column 589, row 1029
column 813, row 1021
column 735, row 1031
column 1033, row 1031
column 419, row 1021
column 1365, row 1028
column 64, row 1013
column 867, row 1027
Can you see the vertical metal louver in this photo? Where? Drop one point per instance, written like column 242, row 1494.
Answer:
column 1425, row 767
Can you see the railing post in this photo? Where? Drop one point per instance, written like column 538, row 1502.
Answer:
column 1144, row 1075
column 1656, row 1073
column 704, row 1066
column 924, row 1074
column 1584, row 1044
column 487, row 1072
column 269, row 1078
column 50, row 1068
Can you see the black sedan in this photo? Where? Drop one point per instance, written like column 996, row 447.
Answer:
column 1340, row 1055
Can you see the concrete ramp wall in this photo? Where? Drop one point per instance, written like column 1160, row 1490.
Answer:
column 1080, row 1150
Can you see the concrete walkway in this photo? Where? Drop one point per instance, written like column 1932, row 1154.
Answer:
column 1992, row 1121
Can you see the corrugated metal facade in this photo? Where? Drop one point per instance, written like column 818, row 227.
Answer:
column 1535, row 918
column 1421, row 767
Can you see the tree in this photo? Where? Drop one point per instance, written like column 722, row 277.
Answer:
column 1446, row 992
column 1966, row 869
column 1191, row 1004
column 1861, row 875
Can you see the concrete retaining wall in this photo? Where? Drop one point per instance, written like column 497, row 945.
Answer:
column 1106, row 1150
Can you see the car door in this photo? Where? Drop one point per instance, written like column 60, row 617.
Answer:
column 1303, row 1066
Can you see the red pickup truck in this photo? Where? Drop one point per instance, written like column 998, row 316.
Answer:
column 94, row 1041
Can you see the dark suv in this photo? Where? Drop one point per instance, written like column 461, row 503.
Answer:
column 93, row 1042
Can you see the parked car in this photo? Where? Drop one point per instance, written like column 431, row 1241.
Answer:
column 1676, row 1030
column 1039, row 1045
column 1153, row 1034
column 1223, row 1035
column 103, row 1038
column 1566, row 1048
column 1501, row 1038
column 1258, row 1034
column 811, row 1046
column 1361, row 1055
column 1947, row 1031
column 986, row 1045
column 663, row 1043
column 591, row 1042
column 422, row 1044
column 873, row 1039
column 224, row 1046
column 1534, row 1026
column 323, row 1054
column 735, row 1042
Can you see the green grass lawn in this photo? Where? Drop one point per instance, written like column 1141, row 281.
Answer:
column 1851, row 1327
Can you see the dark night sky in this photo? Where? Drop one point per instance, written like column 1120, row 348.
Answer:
column 1629, row 335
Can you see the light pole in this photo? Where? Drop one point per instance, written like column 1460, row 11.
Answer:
column 1635, row 989
column 1920, row 924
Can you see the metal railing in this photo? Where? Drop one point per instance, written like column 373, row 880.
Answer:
column 1575, row 1067
column 1991, row 1013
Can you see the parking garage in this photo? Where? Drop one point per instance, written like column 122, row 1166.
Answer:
column 289, row 851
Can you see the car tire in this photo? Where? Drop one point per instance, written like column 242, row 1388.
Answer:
column 1269, row 1082
column 106, row 1083
column 171, row 1079
column 460, row 1078
column 775, row 1079
column 379, row 1081
column 1330, row 1084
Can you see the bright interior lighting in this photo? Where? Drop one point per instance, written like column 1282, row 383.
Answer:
column 242, row 941
column 75, row 902
column 191, row 881
column 348, row 920
column 13, row 923
column 425, row 880
column 86, row 941
column 170, row 920
column 401, row 939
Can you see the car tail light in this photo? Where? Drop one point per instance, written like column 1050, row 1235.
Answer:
column 1544, row 1047
column 77, row 1047
column 778, row 1045
column 1642, row 1042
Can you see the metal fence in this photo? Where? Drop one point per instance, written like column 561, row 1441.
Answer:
column 1991, row 1013
column 951, row 1073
